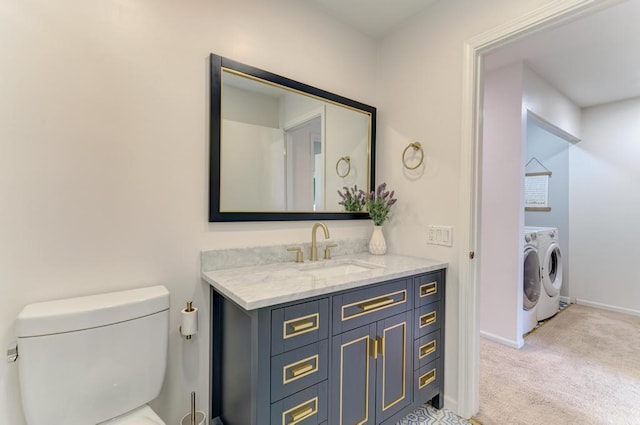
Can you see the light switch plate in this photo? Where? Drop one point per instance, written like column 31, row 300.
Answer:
column 440, row 235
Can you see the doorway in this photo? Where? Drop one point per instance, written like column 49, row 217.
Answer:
column 475, row 50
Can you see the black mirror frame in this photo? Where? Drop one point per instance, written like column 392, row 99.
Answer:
column 215, row 215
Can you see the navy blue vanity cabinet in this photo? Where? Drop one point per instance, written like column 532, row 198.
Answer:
column 428, row 344
column 369, row 355
column 269, row 366
column 371, row 364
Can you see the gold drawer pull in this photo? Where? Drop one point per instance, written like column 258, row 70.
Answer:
column 427, row 378
column 303, row 368
column 428, row 348
column 300, row 412
column 375, row 304
column 428, row 319
column 428, row 289
column 301, row 326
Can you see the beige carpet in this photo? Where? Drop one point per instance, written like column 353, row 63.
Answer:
column 581, row 367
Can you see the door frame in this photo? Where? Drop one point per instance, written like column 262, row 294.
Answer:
column 553, row 14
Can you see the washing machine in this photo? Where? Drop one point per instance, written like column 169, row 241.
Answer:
column 531, row 281
column 550, row 271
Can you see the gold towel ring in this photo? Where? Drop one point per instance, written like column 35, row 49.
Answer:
column 346, row 159
column 416, row 147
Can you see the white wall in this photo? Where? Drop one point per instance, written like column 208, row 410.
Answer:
column 605, row 206
column 104, row 151
column 500, row 256
column 553, row 152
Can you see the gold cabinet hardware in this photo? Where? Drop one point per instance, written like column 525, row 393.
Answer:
column 369, row 305
column 427, row 319
column 303, row 368
column 300, row 325
column 297, row 327
column 299, row 257
column 428, row 289
column 380, row 340
column 300, row 412
column 300, row 369
column 327, row 250
column 427, row 348
column 375, row 304
column 374, row 348
column 427, row 378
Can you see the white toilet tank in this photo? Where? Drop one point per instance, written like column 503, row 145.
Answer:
column 89, row 359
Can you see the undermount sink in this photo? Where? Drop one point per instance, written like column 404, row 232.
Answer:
column 343, row 268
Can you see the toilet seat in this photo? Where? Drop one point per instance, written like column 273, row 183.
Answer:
column 141, row 416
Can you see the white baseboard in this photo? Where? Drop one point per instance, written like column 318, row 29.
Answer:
column 504, row 341
column 451, row 404
column 608, row 307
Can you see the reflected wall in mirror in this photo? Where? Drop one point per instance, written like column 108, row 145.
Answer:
column 280, row 149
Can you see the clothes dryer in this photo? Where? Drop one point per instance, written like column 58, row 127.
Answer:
column 531, row 281
column 550, row 272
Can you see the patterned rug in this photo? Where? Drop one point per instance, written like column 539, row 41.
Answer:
column 428, row 415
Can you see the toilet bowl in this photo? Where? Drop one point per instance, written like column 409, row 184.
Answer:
column 143, row 415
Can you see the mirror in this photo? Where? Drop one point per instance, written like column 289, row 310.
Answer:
column 281, row 150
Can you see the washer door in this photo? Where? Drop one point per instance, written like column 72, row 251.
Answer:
column 552, row 270
column 531, row 278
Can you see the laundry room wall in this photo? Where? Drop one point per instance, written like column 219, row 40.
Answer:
column 605, row 206
column 553, row 153
column 500, row 253
column 511, row 93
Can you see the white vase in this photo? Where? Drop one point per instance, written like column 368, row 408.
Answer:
column 377, row 244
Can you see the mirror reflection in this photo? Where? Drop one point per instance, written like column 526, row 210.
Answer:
column 285, row 148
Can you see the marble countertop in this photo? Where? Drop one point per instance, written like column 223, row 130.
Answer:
column 267, row 285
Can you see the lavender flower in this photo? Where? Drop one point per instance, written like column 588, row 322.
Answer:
column 353, row 199
column 379, row 203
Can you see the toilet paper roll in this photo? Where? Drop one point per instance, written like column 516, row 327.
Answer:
column 189, row 323
column 200, row 419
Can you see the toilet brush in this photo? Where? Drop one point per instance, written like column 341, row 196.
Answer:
column 193, row 418
column 193, row 408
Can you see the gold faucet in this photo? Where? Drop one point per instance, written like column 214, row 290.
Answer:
column 314, row 247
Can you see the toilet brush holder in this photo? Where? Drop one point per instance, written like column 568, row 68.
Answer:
column 195, row 417
column 200, row 419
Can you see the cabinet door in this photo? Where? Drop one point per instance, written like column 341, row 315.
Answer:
column 353, row 377
column 393, row 380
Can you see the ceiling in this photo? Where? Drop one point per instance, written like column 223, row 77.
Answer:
column 375, row 18
column 592, row 60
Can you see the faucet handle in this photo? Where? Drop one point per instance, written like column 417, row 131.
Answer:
column 327, row 250
column 299, row 257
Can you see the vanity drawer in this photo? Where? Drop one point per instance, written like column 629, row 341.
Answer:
column 426, row 382
column 299, row 325
column 427, row 319
column 428, row 288
column 298, row 369
column 359, row 307
column 426, row 349
column 307, row 407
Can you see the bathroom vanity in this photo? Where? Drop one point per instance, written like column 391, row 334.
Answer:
column 354, row 340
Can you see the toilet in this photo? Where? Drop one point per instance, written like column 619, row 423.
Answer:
column 95, row 359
